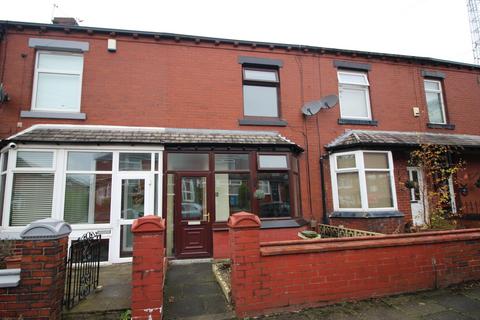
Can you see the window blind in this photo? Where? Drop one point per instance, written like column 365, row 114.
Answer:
column 32, row 195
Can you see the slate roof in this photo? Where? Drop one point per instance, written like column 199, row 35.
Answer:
column 355, row 138
column 147, row 135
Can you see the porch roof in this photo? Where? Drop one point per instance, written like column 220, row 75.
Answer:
column 370, row 138
column 97, row 134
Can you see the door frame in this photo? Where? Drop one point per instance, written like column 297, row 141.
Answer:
column 117, row 220
column 422, row 200
column 177, row 220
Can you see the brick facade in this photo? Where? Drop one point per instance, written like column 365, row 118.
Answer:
column 42, row 281
column 166, row 82
column 290, row 275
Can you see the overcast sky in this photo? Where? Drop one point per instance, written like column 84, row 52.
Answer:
column 431, row 28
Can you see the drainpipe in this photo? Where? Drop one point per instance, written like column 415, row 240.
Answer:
column 325, row 219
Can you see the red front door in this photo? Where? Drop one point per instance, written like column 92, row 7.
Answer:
column 193, row 227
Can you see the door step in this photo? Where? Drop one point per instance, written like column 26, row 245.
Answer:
column 189, row 261
column 94, row 315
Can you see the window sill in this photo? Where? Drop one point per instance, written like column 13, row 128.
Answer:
column 441, row 126
column 266, row 122
column 53, row 115
column 358, row 122
column 367, row 214
column 267, row 224
column 283, row 223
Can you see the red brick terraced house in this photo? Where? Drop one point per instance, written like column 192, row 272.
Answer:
column 103, row 126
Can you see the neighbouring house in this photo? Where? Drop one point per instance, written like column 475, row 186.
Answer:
column 103, row 126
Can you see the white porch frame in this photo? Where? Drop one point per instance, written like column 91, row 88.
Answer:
column 60, row 169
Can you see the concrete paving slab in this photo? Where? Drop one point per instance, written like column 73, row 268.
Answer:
column 114, row 297
column 191, row 292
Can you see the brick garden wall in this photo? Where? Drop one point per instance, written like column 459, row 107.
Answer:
column 290, row 275
column 221, row 249
column 42, row 281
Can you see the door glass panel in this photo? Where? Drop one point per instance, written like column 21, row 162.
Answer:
column 133, row 198
column 126, row 241
column 194, row 198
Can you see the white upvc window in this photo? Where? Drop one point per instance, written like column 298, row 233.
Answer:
column 32, row 186
column 363, row 181
column 353, row 90
column 435, row 103
column 57, row 84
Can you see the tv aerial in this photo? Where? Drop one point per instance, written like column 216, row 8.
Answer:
column 313, row 107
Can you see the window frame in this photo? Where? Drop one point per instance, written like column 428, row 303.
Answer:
column 36, row 71
column 12, row 170
column 261, row 83
column 360, row 168
column 365, row 88
column 442, row 99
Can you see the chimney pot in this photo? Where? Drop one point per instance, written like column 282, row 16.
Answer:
column 67, row 21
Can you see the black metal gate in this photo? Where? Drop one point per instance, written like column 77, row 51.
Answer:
column 83, row 268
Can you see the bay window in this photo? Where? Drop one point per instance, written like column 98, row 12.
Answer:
column 363, row 180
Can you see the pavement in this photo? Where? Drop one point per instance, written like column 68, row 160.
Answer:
column 455, row 303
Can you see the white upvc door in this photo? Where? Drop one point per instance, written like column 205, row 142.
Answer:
column 133, row 197
column 417, row 199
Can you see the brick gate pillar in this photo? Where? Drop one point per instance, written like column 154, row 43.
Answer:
column 148, row 268
column 244, row 238
column 39, row 292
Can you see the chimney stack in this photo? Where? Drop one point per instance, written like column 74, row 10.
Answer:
column 67, row 21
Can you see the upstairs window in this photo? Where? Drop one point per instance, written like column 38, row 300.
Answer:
column 260, row 92
column 435, row 104
column 354, row 97
column 57, row 82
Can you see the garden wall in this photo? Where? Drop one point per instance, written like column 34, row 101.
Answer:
column 290, row 275
column 221, row 248
column 39, row 292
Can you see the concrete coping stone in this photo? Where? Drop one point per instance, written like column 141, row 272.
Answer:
column 9, row 278
column 46, row 229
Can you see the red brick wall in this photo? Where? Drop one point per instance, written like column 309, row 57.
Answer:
column 150, row 82
column 42, row 281
column 381, row 225
column 221, row 248
column 290, row 275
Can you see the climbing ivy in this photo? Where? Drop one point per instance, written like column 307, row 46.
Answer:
column 439, row 163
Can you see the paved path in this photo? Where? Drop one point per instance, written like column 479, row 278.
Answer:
column 460, row 303
column 192, row 293
column 112, row 300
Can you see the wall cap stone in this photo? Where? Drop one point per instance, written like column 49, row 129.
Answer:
column 148, row 224
column 46, row 229
column 243, row 220
column 9, row 278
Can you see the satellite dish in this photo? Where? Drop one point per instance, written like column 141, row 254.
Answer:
column 311, row 108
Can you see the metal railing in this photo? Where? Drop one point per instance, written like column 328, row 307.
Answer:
column 83, row 269
column 328, row 231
